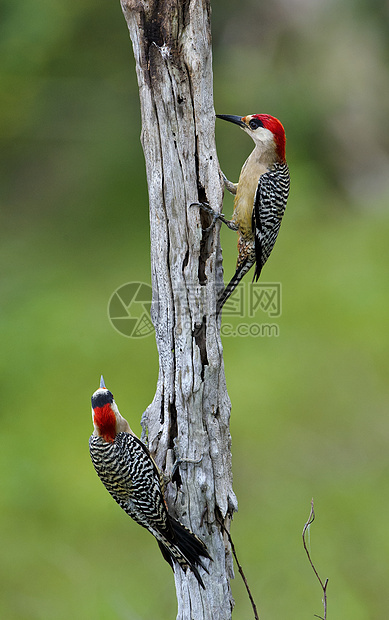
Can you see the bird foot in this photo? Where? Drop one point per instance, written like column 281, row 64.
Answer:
column 208, row 209
column 231, row 187
column 171, row 467
column 180, row 461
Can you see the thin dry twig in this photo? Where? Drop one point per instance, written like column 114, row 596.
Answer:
column 311, row 519
column 240, row 569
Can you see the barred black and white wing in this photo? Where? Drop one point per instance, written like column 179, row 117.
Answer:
column 132, row 478
column 269, row 207
column 130, row 475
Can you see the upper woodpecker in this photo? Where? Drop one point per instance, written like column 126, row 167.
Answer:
column 128, row 472
column 260, row 196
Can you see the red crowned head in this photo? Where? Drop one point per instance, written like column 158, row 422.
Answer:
column 266, row 131
column 106, row 417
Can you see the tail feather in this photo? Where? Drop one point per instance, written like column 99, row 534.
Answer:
column 186, row 549
column 231, row 286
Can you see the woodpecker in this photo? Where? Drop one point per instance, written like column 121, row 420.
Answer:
column 130, row 475
column 260, row 196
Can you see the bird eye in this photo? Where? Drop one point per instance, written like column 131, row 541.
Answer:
column 255, row 123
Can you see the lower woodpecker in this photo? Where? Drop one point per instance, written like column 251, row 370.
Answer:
column 130, row 475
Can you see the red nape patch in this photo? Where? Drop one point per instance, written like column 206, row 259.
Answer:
column 105, row 420
column 274, row 125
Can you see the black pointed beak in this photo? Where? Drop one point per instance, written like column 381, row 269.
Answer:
column 238, row 120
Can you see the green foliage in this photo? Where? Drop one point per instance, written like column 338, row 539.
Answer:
column 309, row 414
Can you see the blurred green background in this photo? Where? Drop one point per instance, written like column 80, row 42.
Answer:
column 309, row 415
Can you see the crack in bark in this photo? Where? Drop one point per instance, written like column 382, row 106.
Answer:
column 162, row 415
column 200, row 335
column 185, row 261
column 206, row 243
column 173, row 432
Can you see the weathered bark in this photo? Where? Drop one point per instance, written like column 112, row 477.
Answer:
column 189, row 416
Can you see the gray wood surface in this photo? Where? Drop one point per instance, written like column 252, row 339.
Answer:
column 190, row 413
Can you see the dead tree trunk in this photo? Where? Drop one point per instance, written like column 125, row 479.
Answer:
column 189, row 416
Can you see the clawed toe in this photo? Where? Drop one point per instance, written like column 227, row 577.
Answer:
column 206, row 207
